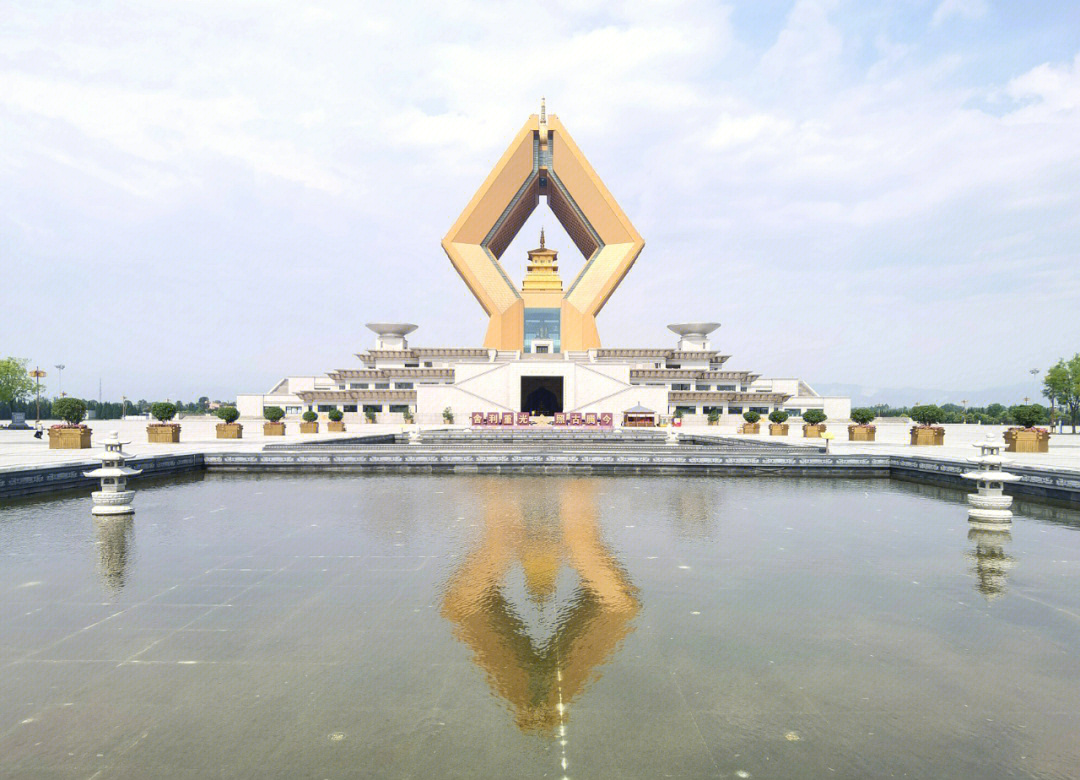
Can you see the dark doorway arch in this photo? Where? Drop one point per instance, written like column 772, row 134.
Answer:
column 542, row 394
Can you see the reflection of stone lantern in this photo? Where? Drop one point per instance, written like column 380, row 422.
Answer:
column 991, row 562
column 114, row 536
column 114, row 498
column 990, row 507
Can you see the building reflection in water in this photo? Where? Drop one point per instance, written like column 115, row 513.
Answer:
column 543, row 534
column 991, row 562
column 114, row 537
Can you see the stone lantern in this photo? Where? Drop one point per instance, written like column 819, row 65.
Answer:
column 114, row 498
column 990, row 506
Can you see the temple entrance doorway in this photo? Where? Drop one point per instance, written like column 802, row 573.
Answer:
column 542, row 395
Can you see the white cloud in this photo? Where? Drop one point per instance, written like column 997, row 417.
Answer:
column 769, row 182
column 966, row 9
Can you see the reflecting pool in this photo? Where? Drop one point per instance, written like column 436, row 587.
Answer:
column 503, row 627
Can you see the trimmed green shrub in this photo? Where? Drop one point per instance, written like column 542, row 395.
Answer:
column 228, row 414
column 309, row 416
column 814, row 417
column 928, row 414
column 273, row 413
column 370, row 415
column 163, row 411
column 335, row 415
column 779, row 417
column 714, row 414
column 751, row 417
column 407, row 415
column 70, row 410
column 448, row 415
column 1029, row 415
column 863, row 416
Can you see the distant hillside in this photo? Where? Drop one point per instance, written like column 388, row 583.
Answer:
column 906, row 396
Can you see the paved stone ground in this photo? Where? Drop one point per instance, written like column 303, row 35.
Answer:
column 19, row 449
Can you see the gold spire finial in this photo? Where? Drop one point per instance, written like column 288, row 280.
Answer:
column 543, row 110
column 541, row 237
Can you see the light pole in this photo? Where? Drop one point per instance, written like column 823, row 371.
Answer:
column 37, row 373
column 60, row 378
column 964, row 402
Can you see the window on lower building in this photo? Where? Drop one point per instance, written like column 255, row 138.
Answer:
column 349, row 408
column 674, row 365
column 412, row 365
column 704, row 388
column 760, row 409
column 326, row 407
column 711, row 409
column 399, row 408
column 727, row 388
column 404, row 385
column 680, row 386
column 293, row 409
column 427, row 364
column 382, row 385
column 377, row 408
column 358, row 386
column 794, row 412
column 686, row 409
column 734, row 410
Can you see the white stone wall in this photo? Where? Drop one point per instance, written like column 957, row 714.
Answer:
column 496, row 387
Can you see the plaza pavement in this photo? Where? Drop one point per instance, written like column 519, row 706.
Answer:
column 19, row 449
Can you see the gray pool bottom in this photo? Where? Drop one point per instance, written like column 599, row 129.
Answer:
column 388, row 626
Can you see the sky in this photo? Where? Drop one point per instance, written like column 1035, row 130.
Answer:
column 200, row 197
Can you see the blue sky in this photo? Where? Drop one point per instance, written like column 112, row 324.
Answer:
column 201, row 197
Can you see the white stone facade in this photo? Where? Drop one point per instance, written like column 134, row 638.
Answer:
column 396, row 381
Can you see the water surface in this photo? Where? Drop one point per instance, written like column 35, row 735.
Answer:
column 430, row 626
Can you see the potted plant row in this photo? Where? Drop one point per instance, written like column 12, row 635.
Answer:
column 1028, row 437
column 310, row 423
column 751, row 425
column 448, row 416
column 229, row 428
column 714, row 416
column 335, row 425
column 813, row 423
column 778, row 423
column 928, row 432
column 163, row 431
column 862, row 430
column 273, row 425
column 72, row 434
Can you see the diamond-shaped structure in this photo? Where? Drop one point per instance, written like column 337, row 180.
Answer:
column 543, row 160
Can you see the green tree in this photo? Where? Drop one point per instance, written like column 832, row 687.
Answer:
column 1061, row 385
column 70, row 410
column 15, row 383
column 863, row 416
column 928, row 414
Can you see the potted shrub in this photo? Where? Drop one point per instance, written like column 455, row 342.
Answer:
column 72, row 434
column 229, row 428
column 335, row 425
column 862, row 430
column 408, row 416
column 273, row 425
column 448, row 416
column 310, row 423
column 163, row 431
column 714, row 416
column 813, row 423
column 778, row 423
column 751, row 425
column 1028, row 438
column 369, row 415
column 928, row 432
